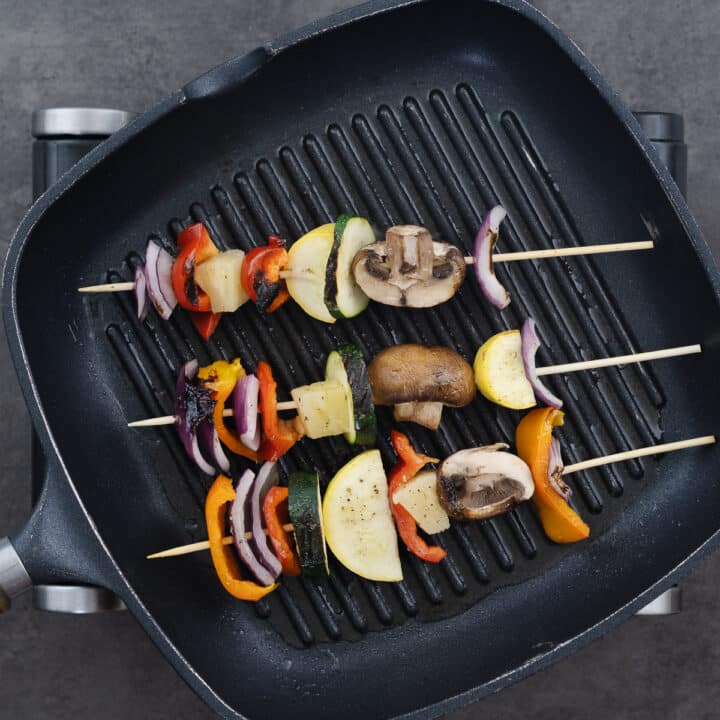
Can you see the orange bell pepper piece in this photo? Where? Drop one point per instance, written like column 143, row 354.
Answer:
column 275, row 512
column 260, row 275
column 532, row 441
column 195, row 246
column 226, row 565
column 278, row 435
column 408, row 466
column 220, row 378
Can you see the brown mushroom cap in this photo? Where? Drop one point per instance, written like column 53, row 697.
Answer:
column 418, row 374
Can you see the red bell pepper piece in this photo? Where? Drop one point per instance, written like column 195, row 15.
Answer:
column 220, row 378
column 205, row 323
column 275, row 511
column 260, row 275
column 278, row 435
column 226, row 565
column 409, row 465
column 195, row 246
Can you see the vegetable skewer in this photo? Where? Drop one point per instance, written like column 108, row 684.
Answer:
column 600, row 248
column 541, row 371
column 331, row 272
column 567, row 470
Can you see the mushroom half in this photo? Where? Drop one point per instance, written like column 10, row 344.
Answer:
column 419, row 381
column 409, row 269
column 481, row 482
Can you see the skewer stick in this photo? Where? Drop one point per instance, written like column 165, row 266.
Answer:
column 497, row 258
column 203, row 545
column 227, row 412
column 576, row 467
column 619, row 360
column 639, row 452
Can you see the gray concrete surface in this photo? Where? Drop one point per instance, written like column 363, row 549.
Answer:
column 658, row 54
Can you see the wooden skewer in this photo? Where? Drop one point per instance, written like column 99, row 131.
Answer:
column 497, row 258
column 548, row 370
column 576, row 467
column 227, row 412
column 203, row 545
column 639, row 452
column 618, row 360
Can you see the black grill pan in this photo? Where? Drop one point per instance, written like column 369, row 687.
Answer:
column 419, row 112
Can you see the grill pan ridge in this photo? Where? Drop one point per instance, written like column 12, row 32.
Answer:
column 438, row 161
column 481, row 103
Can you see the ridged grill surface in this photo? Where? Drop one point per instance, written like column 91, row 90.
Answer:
column 438, row 161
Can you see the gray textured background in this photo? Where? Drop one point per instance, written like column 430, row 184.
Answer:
column 658, row 55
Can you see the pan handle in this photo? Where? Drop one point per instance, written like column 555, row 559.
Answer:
column 224, row 78
column 57, row 545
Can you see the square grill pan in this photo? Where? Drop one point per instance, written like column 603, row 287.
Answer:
column 426, row 113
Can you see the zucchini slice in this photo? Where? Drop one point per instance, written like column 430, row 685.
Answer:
column 358, row 522
column 305, row 509
column 347, row 366
column 343, row 296
column 308, row 258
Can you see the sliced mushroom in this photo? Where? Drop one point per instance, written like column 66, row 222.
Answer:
column 409, row 269
column 481, row 482
column 419, row 381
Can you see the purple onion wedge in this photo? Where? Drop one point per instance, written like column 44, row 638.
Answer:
column 141, row 295
column 555, row 468
column 267, row 477
column 210, row 443
column 483, row 255
column 529, row 344
column 241, row 521
column 192, row 406
column 158, row 269
column 245, row 409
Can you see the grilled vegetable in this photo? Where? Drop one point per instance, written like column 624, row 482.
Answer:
column 278, row 435
column 481, row 482
column 530, row 345
column 261, row 275
column 483, row 255
column 245, row 410
column 210, row 443
column 408, row 466
column 358, row 522
column 409, row 269
column 307, row 261
column 276, row 514
column 220, row 278
column 140, row 291
column 193, row 406
column 419, row 381
column 220, row 379
column 195, row 247
column 304, row 506
column 158, row 269
column 343, row 296
column 323, row 408
column 346, row 365
column 533, row 439
column 419, row 496
column 500, row 372
column 243, row 514
column 205, row 323
column 226, row 566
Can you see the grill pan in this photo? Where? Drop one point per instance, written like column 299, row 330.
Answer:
column 420, row 112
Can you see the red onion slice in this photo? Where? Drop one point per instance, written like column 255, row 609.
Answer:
column 484, row 246
column 210, row 443
column 245, row 409
column 240, row 522
column 140, row 291
column 192, row 406
column 267, row 477
column 158, row 269
column 529, row 344
column 555, row 468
